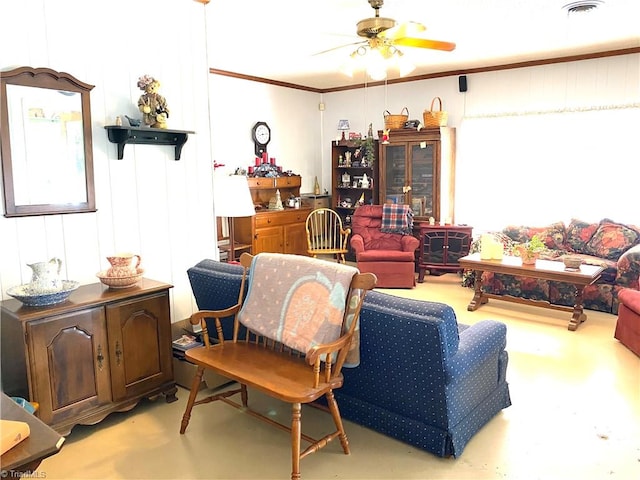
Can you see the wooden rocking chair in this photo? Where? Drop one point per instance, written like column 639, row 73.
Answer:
column 295, row 344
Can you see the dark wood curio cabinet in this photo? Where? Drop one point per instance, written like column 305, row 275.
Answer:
column 417, row 169
column 348, row 172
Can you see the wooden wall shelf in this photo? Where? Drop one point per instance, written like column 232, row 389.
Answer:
column 147, row 136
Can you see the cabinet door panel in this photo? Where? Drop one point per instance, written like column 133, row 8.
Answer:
column 295, row 239
column 434, row 249
column 395, row 174
column 70, row 370
column 459, row 243
column 422, row 176
column 269, row 239
column 139, row 345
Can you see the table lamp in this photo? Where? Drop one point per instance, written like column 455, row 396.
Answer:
column 344, row 126
column 232, row 199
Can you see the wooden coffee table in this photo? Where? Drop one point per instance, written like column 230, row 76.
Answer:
column 543, row 269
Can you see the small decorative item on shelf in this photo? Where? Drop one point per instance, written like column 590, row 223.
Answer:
column 365, row 181
column 343, row 125
column 134, row 122
column 316, row 187
column 385, row 136
column 151, row 103
column 365, row 152
column 118, row 121
column 347, row 156
column 276, row 202
column 266, row 167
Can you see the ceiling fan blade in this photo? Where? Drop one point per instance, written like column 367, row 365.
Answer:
column 339, row 47
column 424, row 43
column 405, row 29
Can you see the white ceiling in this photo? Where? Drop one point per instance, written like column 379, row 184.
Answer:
column 279, row 39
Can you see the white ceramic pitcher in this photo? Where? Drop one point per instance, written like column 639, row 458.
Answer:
column 45, row 276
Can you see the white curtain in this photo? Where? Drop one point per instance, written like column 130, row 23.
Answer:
column 538, row 168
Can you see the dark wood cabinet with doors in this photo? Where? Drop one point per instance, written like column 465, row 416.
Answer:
column 101, row 351
column 346, row 184
column 441, row 246
column 417, row 168
column 276, row 231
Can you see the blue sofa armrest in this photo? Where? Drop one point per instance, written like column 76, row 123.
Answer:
column 478, row 343
column 478, row 369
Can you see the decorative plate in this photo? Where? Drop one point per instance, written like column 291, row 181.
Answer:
column 25, row 295
column 120, row 282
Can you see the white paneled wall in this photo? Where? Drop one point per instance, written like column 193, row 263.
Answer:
column 147, row 203
column 586, row 84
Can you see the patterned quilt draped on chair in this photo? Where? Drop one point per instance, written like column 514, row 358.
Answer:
column 296, row 300
column 397, row 219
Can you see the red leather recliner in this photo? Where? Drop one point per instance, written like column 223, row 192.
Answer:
column 390, row 256
column 628, row 324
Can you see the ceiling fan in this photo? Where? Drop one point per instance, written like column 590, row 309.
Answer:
column 380, row 30
column 384, row 34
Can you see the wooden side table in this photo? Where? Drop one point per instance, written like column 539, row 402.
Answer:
column 42, row 442
column 441, row 246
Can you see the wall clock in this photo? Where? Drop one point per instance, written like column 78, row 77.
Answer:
column 261, row 134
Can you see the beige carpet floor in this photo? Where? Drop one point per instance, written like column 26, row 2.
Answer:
column 575, row 415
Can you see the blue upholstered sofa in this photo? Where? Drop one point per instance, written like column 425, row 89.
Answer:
column 423, row 378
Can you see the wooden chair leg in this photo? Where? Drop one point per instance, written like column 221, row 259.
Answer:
column 335, row 413
column 195, row 387
column 296, row 432
column 243, row 394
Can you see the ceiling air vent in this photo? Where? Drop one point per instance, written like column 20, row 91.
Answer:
column 582, row 6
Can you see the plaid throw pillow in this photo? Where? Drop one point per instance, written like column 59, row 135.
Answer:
column 397, row 219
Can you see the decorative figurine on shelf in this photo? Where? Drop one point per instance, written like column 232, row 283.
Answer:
column 347, row 155
column 134, row 122
column 151, row 103
column 385, row 137
column 365, row 181
column 161, row 120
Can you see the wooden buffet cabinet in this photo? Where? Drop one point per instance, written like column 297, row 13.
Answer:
column 276, row 231
column 101, row 351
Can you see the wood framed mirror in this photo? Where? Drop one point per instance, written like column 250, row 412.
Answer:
column 46, row 143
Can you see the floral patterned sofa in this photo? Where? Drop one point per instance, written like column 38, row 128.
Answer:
column 613, row 245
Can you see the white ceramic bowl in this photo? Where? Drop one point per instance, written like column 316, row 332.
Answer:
column 25, row 294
